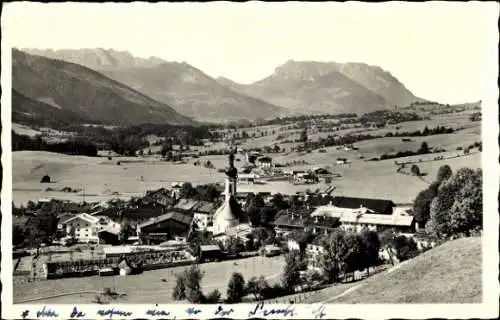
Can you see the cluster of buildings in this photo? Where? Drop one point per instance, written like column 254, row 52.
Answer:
column 158, row 218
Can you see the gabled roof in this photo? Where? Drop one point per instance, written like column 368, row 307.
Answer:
column 186, row 204
column 322, row 222
column 289, row 221
column 172, row 215
column 205, row 207
column 378, row 219
column 84, row 216
column 379, row 206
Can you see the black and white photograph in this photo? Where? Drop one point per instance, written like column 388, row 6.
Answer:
column 255, row 159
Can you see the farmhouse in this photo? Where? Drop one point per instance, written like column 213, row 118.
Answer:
column 341, row 160
column 166, row 226
column 322, row 224
column 377, row 222
column 186, row 204
column 85, row 227
column 210, row 253
column 289, row 221
column 203, row 214
column 265, row 162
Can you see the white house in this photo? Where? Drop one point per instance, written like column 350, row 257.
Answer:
column 357, row 221
column 87, row 227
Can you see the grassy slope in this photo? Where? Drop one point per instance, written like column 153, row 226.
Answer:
column 450, row 273
column 74, row 89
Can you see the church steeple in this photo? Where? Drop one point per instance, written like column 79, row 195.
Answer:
column 231, row 177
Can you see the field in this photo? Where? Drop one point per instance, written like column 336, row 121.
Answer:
column 450, row 273
column 103, row 179
column 147, row 287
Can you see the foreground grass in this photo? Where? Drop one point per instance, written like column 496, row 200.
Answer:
column 450, row 273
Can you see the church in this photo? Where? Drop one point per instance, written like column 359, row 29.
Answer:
column 225, row 222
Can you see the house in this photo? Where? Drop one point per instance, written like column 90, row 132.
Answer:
column 186, row 204
column 247, row 177
column 291, row 220
column 203, row 214
column 341, row 160
column 321, row 224
column 356, row 222
column 210, row 253
column 85, row 227
column 265, row 162
column 166, row 226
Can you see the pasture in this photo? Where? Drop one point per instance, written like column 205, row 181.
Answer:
column 101, row 179
column 149, row 286
column 436, row 276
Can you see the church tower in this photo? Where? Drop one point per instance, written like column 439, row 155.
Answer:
column 224, row 217
column 231, row 178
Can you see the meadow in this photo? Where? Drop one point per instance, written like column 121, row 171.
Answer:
column 160, row 283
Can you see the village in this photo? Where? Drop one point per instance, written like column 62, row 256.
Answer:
column 182, row 225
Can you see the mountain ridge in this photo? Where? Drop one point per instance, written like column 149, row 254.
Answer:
column 295, row 87
column 86, row 92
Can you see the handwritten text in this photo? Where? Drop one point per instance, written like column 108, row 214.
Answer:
column 46, row 313
column 259, row 310
column 113, row 312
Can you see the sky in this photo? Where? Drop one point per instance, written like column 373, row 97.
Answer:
column 444, row 52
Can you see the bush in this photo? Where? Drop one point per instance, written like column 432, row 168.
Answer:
column 415, row 170
column 45, row 179
column 213, row 297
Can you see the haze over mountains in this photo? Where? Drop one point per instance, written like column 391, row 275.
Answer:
column 296, row 87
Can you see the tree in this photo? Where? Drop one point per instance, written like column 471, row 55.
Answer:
column 303, row 239
column 187, row 190
column 354, row 256
column 291, row 276
column 406, row 248
column 424, row 148
column 458, row 206
column 192, row 281
column 179, row 292
column 422, row 203
column 371, row 244
column 332, row 260
column 303, row 136
column 17, row 235
column 444, row 173
column 415, row 170
column 165, row 148
column 236, row 288
column 257, row 287
column 254, row 207
column 125, row 232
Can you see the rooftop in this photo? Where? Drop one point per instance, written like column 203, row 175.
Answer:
column 172, row 215
column 377, row 205
column 379, row 219
column 210, row 247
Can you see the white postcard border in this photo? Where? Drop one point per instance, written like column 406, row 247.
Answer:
column 487, row 309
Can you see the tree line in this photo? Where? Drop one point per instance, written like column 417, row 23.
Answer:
column 70, row 147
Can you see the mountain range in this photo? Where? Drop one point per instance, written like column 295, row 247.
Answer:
column 296, row 87
column 40, row 83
